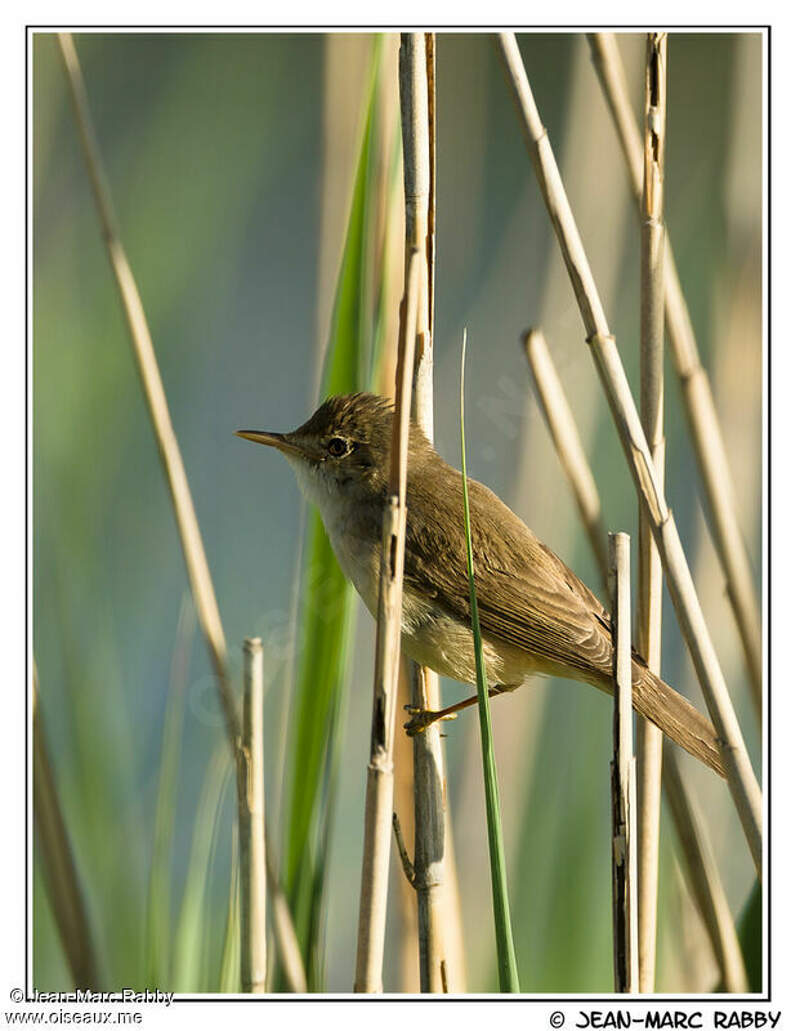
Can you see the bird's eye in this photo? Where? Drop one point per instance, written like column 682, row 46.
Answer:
column 337, row 447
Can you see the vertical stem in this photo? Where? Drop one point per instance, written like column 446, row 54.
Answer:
column 380, row 771
column 429, row 838
column 415, row 70
column 506, row 956
column 701, row 414
column 623, row 775
column 648, row 637
column 430, row 252
column 252, row 853
column 406, row 940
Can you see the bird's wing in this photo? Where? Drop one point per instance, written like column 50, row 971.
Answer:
column 527, row 596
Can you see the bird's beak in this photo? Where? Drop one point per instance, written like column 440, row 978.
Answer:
column 277, row 440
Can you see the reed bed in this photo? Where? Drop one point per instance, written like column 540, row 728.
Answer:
column 203, row 593
column 698, row 859
column 701, row 412
column 198, row 908
column 742, row 782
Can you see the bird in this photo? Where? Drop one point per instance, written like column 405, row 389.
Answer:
column 536, row 616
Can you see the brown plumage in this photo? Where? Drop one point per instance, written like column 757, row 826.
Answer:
column 536, row 615
column 528, row 598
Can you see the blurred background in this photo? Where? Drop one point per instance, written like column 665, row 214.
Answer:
column 231, row 159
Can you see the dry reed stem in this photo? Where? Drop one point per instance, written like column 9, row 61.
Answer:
column 698, row 855
column 649, row 739
column 430, row 253
column 61, row 873
column 288, row 948
column 704, row 876
column 188, row 528
column 252, row 858
column 453, row 971
column 380, row 771
column 144, row 353
column 415, row 72
column 623, row 773
column 564, row 432
column 698, row 402
column 406, row 938
column 405, row 899
column 742, row 782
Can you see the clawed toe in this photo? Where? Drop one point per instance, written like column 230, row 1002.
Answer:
column 422, row 718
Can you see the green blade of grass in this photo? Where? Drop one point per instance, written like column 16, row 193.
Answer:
column 506, row 958
column 328, row 599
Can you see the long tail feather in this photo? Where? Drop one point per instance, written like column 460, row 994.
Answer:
column 677, row 717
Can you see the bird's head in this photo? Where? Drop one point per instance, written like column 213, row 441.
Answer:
column 343, row 447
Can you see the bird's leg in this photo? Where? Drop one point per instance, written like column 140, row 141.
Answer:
column 422, row 718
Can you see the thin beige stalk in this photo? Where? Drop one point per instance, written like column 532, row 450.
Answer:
column 564, row 432
column 430, row 831
column 252, row 859
column 406, row 939
column 430, row 253
column 623, row 773
column 380, row 771
column 649, row 739
column 742, row 782
column 58, row 862
column 698, row 402
column 414, row 113
column 698, row 856
column 704, row 877
column 194, row 553
column 188, row 528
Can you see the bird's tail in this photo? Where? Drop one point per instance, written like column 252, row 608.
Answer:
column 677, row 717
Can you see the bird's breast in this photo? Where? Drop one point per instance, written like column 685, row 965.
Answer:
column 431, row 635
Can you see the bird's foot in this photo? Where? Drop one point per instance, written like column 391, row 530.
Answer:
column 422, row 718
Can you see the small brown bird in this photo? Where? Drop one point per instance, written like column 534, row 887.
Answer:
column 536, row 615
